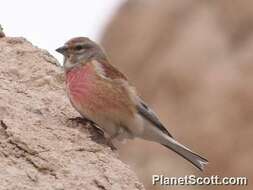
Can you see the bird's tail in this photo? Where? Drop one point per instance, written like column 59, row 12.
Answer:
column 186, row 153
column 153, row 134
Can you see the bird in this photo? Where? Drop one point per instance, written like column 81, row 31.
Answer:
column 103, row 95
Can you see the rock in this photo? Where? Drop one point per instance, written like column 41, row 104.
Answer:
column 39, row 148
column 1, row 32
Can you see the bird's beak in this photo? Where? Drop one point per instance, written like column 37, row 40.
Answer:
column 62, row 49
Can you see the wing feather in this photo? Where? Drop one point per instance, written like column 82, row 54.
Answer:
column 111, row 73
column 149, row 115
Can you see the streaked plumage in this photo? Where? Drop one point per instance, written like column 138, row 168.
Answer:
column 101, row 93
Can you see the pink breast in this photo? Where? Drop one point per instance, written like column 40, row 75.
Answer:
column 79, row 83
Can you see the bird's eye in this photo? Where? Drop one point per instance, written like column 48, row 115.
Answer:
column 78, row 47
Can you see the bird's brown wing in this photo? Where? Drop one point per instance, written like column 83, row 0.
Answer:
column 110, row 71
column 150, row 116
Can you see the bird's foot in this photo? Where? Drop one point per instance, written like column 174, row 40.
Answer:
column 79, row 120
column 75, row 121
column 96, row 133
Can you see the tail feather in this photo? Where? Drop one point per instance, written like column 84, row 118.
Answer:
column 153, row 134
column 187, row 154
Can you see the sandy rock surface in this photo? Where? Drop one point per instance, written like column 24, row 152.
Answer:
column 39, row 147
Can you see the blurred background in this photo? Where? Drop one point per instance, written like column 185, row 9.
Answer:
column 192, row 61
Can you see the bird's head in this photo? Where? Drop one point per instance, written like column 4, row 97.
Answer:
column 79, row 50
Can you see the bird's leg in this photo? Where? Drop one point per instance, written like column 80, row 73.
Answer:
column 112, row 137
column 109, row 141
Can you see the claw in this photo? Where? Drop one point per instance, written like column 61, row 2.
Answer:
column 85, row 121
